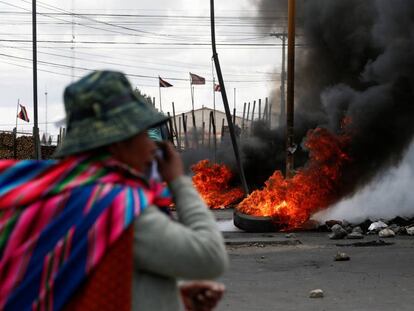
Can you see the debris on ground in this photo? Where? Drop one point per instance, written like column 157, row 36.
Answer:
column 396, row 228
column 398, row 225
column 346, row 224
column 310, row 225
column 341, row 256
column 258, row 244
column 358, row 229
column 400, row 221
column 331, row 223
column 386, row 233
column 348, row 229
column 377, row 226
column 316, row 293
column 365, row 225
column 338, row 232
column 290, row 235
column 410, row 230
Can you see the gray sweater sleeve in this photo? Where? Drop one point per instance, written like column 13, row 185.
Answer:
column 191, row 248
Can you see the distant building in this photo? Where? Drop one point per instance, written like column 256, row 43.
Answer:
column 204, row 126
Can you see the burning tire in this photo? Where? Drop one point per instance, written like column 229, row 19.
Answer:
column 250, row 223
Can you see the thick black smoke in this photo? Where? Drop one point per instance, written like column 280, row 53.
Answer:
column 354, row 59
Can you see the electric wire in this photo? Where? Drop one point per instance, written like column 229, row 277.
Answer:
column 129, row 74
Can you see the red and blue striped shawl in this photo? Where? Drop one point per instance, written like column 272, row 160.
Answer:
column 57, row 220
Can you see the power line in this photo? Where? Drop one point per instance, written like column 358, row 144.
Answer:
column 139, row 84
column 127, row 65
column 43, row 70
column 69, row 22
column 143, row 45
column 164, row 36
column 100, row 22
column 196, row 17
column 241, row 39
column 129, row 74
column 150, row 43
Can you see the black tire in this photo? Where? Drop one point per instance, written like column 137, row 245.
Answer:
column 250, row 223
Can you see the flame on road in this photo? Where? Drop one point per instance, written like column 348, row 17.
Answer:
column 213, row 183
column 314, row 187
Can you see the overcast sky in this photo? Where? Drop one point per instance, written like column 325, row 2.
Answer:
column 144, row 39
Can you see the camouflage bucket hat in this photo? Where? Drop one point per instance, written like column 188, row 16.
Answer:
column 102, row 109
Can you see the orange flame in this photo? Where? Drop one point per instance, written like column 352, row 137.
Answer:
column 212, row 182
column 314, row 187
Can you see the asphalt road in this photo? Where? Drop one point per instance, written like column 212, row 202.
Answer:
column 272, row 272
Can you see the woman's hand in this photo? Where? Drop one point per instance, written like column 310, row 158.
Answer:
column 170, row 164
column 201, row 295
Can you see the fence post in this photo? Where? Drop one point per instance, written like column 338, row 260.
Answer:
column 15, row 143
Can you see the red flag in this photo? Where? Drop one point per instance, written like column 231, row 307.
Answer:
column 217, row 88
column 164, row 83
column 196, row 79
column 23, row 114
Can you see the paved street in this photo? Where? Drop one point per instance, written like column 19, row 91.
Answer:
column 272, row 272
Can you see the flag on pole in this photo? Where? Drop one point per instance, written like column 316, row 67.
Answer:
column 164, row 83
column 23, row 114
column 197, row 79
column 217, row 88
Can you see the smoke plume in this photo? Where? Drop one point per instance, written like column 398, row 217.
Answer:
column 387, row 196
column 355, row 60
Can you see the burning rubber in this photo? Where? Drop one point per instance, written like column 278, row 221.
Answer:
column 250, row 223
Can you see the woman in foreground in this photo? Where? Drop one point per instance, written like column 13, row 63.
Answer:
column 90, row 231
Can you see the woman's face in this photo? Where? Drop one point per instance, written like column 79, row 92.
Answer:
column 137, row 152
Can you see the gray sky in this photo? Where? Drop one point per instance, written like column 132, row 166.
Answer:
column 148, row 30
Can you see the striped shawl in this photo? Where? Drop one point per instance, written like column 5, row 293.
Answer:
column 58, row 219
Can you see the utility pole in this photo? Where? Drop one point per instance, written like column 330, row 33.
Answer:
column 46, row 112
column 234, row 99
column 282, row 117
column 34, row 41
column 282, row 82
column 73, row 42
column 225, row 101
column 290, row 145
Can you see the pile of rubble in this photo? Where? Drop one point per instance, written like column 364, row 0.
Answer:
column 382, row 228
